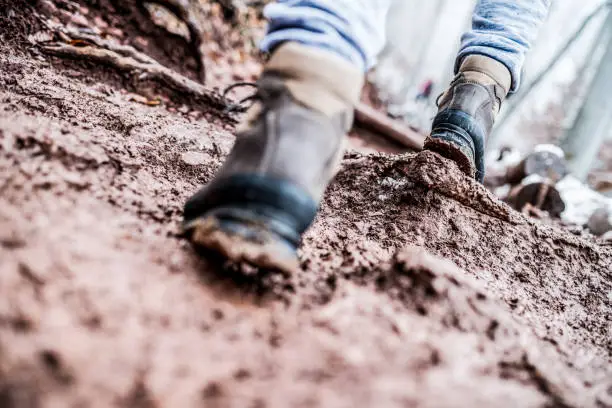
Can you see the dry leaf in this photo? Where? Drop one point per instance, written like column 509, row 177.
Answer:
column 144, row 100
column 80, row 43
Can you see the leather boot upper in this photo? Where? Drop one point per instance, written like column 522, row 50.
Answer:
column 296, row 130
column 467, row 112
column 479, row 89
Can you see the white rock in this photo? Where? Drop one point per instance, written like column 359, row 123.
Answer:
column 580, row 200
column 195, row 158
column 600, row 221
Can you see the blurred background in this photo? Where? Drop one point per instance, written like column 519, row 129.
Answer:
column 423, row 38
column 561, row 118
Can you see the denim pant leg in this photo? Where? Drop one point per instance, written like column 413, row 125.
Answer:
column 504, row 30
column 354, row 29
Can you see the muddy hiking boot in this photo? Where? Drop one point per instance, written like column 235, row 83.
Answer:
column 467, row 111
column 287, row 151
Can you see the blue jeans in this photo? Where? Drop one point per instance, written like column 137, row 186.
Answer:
column 355, row 29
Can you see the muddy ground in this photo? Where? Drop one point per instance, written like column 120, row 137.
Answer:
column 418, row 288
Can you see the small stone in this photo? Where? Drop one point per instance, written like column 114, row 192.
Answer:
column 90, row 30
column 115, row 32
column 195, row 158
column 39, row 37
column 600, row 221
column 47, row 7
column 99, row 21
column 79, row 20
column 74, row 179
column 141, row 42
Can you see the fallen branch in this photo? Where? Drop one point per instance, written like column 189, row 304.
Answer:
column 128, row 59
column 370, row 119
column 73, row 36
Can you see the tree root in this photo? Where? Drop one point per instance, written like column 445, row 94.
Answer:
column 182, row 10
column 79, row 46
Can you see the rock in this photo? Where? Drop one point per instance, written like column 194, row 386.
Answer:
column 195, row 158
column 115, row 32
column 100, row 23
column 600, row 222
column 75, row 179
column 581, row 201
column 546, row 161
column 141, row 42
column 40, row 36
column 79, row 20
column 47, row 7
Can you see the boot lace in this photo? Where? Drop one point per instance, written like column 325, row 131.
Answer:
column 243, row 104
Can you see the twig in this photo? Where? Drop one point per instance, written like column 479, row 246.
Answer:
column 125, row 50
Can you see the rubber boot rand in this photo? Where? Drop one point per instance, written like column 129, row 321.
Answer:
column 467, row 111
column 287, row 151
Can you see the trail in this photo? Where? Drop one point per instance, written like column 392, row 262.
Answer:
column 418, row 288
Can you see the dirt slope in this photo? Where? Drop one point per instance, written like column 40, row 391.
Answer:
column 418, row 288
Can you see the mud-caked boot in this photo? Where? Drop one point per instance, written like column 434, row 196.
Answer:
column 287, row 150
column 467, row 112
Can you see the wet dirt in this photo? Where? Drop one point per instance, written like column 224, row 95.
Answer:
column 418, row 288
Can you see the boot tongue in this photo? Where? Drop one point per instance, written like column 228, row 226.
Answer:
column 487, row 71
column 318, row 79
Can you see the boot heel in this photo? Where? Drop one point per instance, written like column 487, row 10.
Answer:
column 258, row 209
column 456, row 134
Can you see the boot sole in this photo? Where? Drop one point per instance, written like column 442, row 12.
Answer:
column 453, row 129
column 220, row 237
column 250, row 218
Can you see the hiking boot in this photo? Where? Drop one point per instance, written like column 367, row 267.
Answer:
column 287, row 151
column 467, row 111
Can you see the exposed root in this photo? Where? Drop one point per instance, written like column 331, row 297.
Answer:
column 125, row 58
column 183, row 11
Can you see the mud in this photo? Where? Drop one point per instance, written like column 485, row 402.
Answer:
column 417, row 289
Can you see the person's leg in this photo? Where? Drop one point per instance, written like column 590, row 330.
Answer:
column 353, row 29
column 288, row 147
column 505, row 31
column 488, row 67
